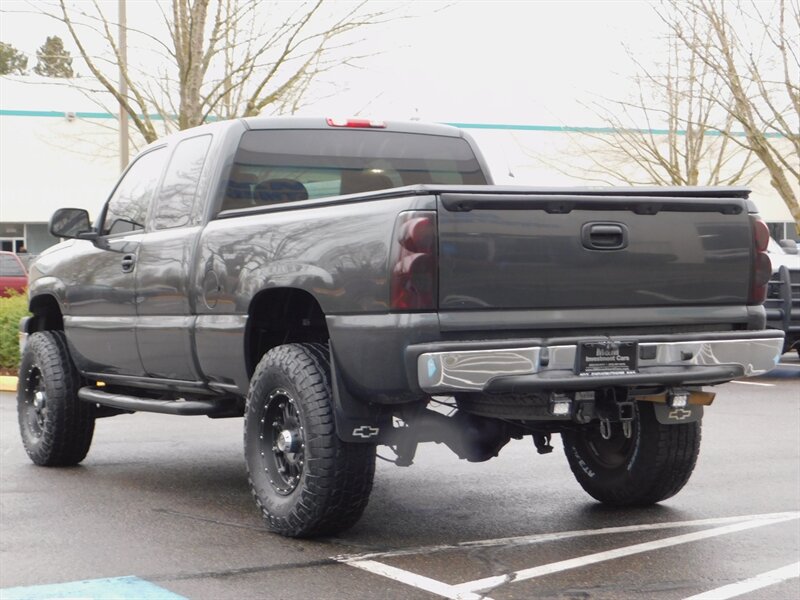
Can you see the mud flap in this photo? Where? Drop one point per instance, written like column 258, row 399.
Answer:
column 668, row 415
column 357, row 421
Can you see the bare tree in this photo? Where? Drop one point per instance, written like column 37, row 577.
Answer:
column 753, row 49
column 669, row 133
column 217, row 58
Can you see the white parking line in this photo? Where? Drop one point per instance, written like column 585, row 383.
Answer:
column 749, row 585
column 754, row 383
column 537, row 538
column 472, row 590
column 418, row 581
column 491, row 582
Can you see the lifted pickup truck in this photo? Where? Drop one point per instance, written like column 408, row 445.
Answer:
column 334, row 282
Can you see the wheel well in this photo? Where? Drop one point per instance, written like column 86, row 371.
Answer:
column 282, row 316
column 46, row 314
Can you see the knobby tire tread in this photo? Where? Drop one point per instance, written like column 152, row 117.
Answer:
column 337, row 478
column 69, row 424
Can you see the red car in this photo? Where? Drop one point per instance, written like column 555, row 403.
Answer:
column 13, row 275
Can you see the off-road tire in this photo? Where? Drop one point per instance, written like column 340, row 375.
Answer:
column 56, row 427
column 651, row 466
column 332, row 479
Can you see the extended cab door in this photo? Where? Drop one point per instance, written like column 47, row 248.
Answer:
column 165, row 324
column 99, row 279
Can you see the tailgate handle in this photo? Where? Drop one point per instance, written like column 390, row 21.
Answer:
column 604, row 236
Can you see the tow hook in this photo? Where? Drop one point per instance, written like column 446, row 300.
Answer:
column 627, row 429
column 610, row 410
column 605, row 429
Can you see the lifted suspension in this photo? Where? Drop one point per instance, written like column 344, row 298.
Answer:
column 471, row 437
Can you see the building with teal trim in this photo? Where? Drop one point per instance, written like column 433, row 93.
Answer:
column 59, row 147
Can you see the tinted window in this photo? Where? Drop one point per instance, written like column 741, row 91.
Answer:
column 284, row 165
column 176, row 198
column 128, row 206
column 10, row 267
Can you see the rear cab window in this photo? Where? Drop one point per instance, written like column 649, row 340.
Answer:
column 277, row 166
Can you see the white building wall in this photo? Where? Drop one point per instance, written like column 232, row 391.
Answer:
column 52, row 162
column 49, row 162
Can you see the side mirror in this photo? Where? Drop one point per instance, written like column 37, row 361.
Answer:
column 72, row 223
column 789, row 246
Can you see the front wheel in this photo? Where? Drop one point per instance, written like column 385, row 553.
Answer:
column 56, row 427
column 653, row 464
column 305, row 479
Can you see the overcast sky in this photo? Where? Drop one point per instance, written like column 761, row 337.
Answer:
column 530, row 63
column 480, row 61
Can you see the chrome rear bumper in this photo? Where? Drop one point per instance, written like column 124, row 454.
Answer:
column 697, row 361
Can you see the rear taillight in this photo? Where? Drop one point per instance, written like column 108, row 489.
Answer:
column 762, row 267
column 414, row 270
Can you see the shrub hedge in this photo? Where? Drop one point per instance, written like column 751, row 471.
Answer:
column 12, row 309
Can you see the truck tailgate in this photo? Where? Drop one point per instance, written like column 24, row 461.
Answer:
column 541, row 250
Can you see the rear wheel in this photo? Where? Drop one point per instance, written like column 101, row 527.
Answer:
column 652, row 465
column 305, row 480
column 56, row 427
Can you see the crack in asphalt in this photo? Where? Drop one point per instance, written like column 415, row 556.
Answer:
column 489, row 557
column 176, row 513
column 326, row 562
column 507, row 578
column 332, row 542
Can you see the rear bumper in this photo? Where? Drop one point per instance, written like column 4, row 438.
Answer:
column 550, row 364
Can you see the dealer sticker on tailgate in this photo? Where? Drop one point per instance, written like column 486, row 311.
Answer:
column 606, row 358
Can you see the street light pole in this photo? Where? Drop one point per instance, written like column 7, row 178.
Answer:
column 123, row 85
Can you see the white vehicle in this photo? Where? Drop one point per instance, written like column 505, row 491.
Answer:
column 783, row 293
column 784, row 253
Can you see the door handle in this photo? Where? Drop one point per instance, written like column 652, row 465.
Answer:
column 604, row 236
column 128, row 262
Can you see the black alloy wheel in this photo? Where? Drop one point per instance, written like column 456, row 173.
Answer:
column 281, row 428
column 34, row 402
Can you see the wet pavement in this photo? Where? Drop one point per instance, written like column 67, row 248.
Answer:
column 163, row 501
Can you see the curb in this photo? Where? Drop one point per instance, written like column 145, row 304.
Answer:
column 8, row 383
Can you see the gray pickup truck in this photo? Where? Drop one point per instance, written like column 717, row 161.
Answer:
column 349, row 284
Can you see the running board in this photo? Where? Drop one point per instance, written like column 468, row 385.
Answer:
column 168, row 407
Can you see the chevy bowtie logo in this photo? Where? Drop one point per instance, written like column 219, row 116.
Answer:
column 366, row 432
column 679, row 414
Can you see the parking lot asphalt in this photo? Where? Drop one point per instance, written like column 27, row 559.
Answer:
column 161, row 509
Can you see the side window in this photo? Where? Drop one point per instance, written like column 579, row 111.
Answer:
column 179, row 189
column 128, row 206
